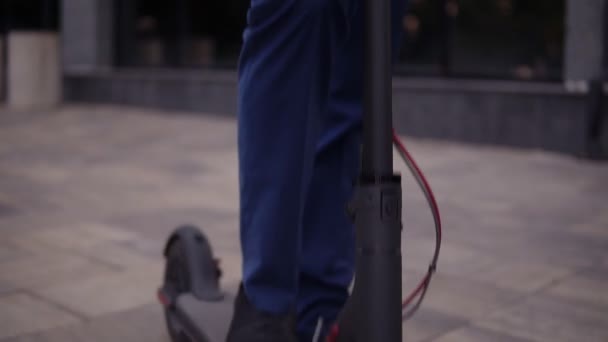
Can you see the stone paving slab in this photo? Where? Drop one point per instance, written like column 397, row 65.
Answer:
column 466, row 298
column 429, row 324
column 22, row 314
column 546, row 318
column 9, row 251
column 474, row 334
column 50, row 268
column 143, row 323
column 102, row 244
column 77, row 238
column 104, row 294
column 6, row 288
column 590, row 287
column 522, row 276
column 88, row 195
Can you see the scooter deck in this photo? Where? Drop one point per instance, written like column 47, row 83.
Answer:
column 205, row 321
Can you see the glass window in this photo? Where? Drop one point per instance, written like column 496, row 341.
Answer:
column 29, row 15
column 421, row 48
column 503, row 39
column 512, row 39
column 179, row 33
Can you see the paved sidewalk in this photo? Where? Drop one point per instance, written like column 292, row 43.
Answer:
column 89, row 194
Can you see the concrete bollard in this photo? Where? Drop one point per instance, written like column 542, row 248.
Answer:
column 2, row 71
column 34, row 70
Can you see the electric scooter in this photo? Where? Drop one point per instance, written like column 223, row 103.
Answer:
column 197, row 310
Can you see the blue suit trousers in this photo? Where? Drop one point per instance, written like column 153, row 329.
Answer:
column 299, row 137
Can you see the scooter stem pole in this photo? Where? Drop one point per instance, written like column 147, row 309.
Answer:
column 377, row 118
column 373, row 313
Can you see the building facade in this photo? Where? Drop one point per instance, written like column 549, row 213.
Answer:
column 524, row 73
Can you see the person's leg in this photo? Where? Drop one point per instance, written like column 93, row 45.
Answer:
column 283, row 81
column 327, row 259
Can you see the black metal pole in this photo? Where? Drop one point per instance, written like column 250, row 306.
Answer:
column 377, row 122
column 373, row 312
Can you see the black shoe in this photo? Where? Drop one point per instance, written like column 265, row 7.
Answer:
column 251, row 325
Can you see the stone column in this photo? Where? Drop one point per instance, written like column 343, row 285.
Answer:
column 3, row 71
column 585, row 42
column 87, row 34
column 33, row 71
column 34, row 76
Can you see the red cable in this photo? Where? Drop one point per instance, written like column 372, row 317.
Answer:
column 415, row 293
column 436, row 216
column 434, row 206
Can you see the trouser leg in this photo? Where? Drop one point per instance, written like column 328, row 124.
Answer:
column 283, row 82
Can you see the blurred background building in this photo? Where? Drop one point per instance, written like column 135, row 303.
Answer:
column 524, row 73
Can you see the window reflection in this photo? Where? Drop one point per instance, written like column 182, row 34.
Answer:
column 179, row 33
column 508, row 39
column 521, row 39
